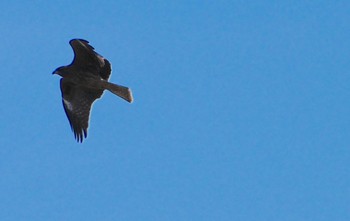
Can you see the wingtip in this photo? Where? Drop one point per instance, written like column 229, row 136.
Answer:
column 78, row 39
column 79, row 136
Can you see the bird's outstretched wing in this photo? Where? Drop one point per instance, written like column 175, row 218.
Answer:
column 85, row 58
column 77, row 103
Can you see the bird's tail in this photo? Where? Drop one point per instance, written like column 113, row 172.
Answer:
column 119, row 90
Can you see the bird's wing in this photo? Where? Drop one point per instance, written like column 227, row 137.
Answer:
column 77, row 103
column 87, row 59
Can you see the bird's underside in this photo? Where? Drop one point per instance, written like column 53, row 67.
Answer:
column 82, row 82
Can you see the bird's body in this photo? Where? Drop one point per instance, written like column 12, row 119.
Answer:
column 83, row 81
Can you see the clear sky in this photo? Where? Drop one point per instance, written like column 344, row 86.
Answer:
column 241, row 112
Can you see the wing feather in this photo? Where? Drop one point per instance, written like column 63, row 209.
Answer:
column 77, row 103
column 85, row 58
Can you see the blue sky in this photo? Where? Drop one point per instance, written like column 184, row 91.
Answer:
column 241, row 112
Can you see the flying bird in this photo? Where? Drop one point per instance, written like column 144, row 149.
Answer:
column 82, row 82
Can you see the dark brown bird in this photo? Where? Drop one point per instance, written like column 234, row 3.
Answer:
column 82, row 82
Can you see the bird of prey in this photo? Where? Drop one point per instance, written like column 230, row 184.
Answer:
column 82, row 82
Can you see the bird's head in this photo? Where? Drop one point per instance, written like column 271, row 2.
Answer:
column 60, row 71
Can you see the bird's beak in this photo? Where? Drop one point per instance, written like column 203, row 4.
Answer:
column 54, row 72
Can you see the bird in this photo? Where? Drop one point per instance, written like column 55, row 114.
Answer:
column 84, row 81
